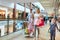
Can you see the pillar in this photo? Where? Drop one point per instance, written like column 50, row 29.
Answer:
column 14, row 17
column 24, row 11
column 6, row 13
column 30, row 8
column 7, row 24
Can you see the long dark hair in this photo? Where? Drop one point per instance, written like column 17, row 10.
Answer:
column 38, row 10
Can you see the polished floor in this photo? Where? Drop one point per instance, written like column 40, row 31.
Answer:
column 44, row 35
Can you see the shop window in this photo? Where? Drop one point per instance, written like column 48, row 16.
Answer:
column 2, row 14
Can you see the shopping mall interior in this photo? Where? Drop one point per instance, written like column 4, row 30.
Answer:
column 14, row 19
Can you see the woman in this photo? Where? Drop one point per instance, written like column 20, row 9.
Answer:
column 36, row 16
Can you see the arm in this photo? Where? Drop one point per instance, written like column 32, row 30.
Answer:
column 50, row 28
column 57, row 27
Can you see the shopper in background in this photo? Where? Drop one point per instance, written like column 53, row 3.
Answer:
column 46, row 19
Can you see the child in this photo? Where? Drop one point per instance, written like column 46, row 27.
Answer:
column 31, row 27
column 52, row 28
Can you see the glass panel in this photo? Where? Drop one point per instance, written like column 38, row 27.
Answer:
column 3, row 22
column 6, row 24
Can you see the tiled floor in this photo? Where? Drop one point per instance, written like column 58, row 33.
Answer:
column 44, row 35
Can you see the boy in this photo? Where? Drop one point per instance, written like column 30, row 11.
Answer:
column 52, row 28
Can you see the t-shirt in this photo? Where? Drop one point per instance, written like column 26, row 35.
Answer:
column 36, row 17
column 29, row 16
column 53, row 27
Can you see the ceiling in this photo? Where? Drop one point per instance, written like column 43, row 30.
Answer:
column 47, row 4
column 19, row 1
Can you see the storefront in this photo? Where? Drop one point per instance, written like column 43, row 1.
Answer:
column 8, row 22
column 12, row 24
column 3, row 12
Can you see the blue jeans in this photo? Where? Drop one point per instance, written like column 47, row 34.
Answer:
column 52, row 35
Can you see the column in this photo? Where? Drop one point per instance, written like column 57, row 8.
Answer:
column 30, row 8
column 24, row 11
column 6, row 13
column 14, row 16
column 24, row 15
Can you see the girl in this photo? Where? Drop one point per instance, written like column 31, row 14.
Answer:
column 31, row 26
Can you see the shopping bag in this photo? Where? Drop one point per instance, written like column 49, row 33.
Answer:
column 40, row 23
column 26, row 30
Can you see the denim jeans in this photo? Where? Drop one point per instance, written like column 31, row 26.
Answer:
column 52, row 35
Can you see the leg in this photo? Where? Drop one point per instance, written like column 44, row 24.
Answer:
column 38, row 32
column 51, row 36
column 35, row 31
column 54, row 36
